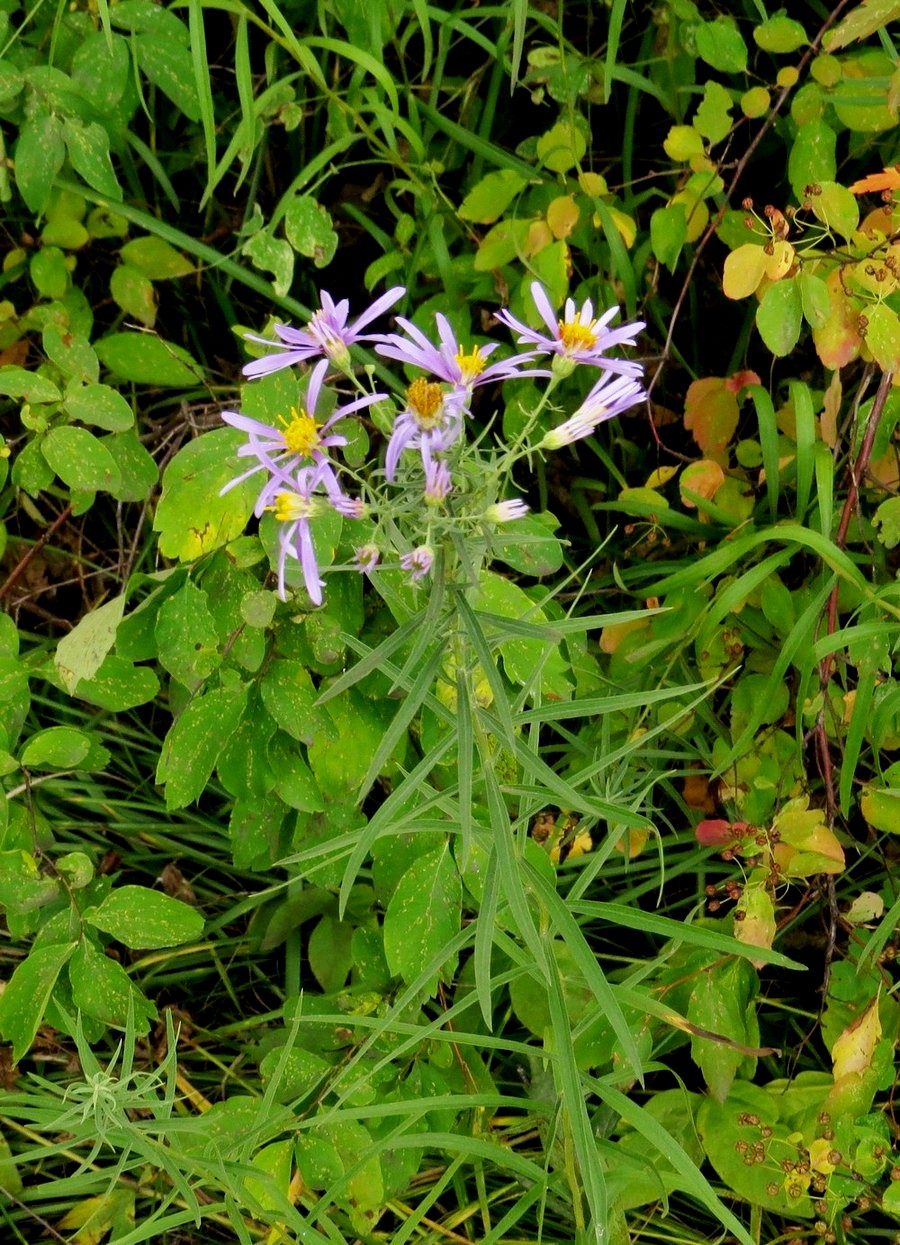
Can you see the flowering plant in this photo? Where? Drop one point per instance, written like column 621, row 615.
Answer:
column 439, row 491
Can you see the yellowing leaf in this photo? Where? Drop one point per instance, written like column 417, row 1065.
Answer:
column 867, row 906
column 744, row 269
column 593, row 184
column 539, row 236
column 661, row 476
column 696, row 214
column 754, row 914
column 780, row 261
column 625, row 224
column 853, row 1049
column 562, row 216
column 682, row 142
column 613, row 635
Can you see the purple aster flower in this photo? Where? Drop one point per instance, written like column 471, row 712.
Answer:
column 418, row 561
column 577, row 337
column 611, row 396
column 430, row 422
column 300, row 442
column 366, row 558
column 294, row 506
column 449, row 361
column 327, row 333
column 438, row 482
column 506, row 511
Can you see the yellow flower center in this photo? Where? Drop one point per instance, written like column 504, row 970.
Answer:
column 290, row 506
column 577, row 336
column 425, row 399
column 301, row 433
column 470, row 365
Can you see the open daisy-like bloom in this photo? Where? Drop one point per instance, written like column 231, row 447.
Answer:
column 450, row 361
column 294, row 505
column 430, row 423
column 327, row 334
column 299, row 442
column 611, row 396
column 577, row 337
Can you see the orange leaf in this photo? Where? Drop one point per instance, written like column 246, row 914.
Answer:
column 711, row 414
column 875, row 182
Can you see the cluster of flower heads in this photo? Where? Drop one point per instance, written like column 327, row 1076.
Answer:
column 299, row 473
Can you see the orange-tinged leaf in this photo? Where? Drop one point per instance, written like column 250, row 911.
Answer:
column 627, row 226
column 830, row 411
column 838, row 342
column 740, row 380
column 879, row 224
column 704, row 479
column 711, row 414
column 889, row 179
column 613, row 635
column 853, row 1049
column 697, row 793
column 634, row 841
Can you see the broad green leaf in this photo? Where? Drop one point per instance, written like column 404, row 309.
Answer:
column 80, row 459
column 522, row 656
column 103, row 989
column 57, row 747
column 137, row 470
column 887, row 521
column 721, row 45
column 341, row 761
column 273, row 255
column 491, row 196
column 713, row 116
column 17, row 382
column 27, row 993
column 309, row 229
column 155, row 258
column 187, row 639
column 836, row 207
column 101, row 68
column 882, row 336
column 168, row 65
column 814, row 299
column 328, row 952
column 193, row 745
column 528, row 545
column 722, row 1002
column 88, row 146
column 80, row 654
column 299, row 1072
column 561, row 147
column 780, row 34
column 49, row 272
column 812, row 158
column 289, row 696
column 502, row 244
column 23, row 887
column 119, row 685
column 423, row 914
column 862, row 98
column 100, row 405
column 91, row 1219
column 140, row 917
column 40, row 153
column 72, row 353
column 779, row 316
column 668, row 233
column 192, row 516
column 134, row 293
column 146, row 359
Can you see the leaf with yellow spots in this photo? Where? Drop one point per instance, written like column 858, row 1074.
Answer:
column 192, row 518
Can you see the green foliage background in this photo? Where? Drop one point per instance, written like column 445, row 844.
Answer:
column 561, row 911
